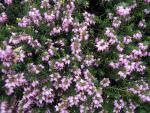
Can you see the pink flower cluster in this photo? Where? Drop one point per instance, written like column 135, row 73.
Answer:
column 120, row 104
column 33, row 17
column 128, row 61
column 101, row 45
column 141, row 90
column 24, row 38
column 8, row 2
column 147, row 1
column 3, row 17
column 4, row 107
column 14, row 81
column 123, row 11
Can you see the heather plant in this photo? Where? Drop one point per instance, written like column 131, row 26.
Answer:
column 74, row 56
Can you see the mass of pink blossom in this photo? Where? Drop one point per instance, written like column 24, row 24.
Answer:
column 58, row 67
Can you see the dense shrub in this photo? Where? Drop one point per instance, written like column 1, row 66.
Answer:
column 74, row 56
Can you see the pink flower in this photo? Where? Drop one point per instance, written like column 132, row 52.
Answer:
column 8, row 2
column 127, row 39
column 3, row 17
column 49, row 17
column 147, row 1
column 142, row 24
column 137, row 35
column 116, row 22
column 24, row 22
column 97, row 99
column 105, row 82
column 123, row 11
column 101, row 45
